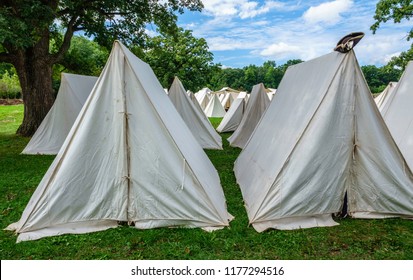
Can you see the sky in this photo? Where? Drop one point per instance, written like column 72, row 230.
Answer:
column 244, row 32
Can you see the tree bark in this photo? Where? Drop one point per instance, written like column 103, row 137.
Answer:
column 34, row 68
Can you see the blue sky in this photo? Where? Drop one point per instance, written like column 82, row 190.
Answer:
column 243, row 32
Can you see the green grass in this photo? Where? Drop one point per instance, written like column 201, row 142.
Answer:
column 352, row 239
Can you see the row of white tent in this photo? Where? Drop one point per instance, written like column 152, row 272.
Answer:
column 320, row 144
column 75, row 89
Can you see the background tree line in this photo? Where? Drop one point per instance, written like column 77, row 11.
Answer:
column 187, row 57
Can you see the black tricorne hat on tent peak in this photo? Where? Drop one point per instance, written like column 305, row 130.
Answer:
column 348, row 42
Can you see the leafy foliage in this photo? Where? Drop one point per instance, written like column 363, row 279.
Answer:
column 379, row 77
column 23, row 23
column 179, row 54
column 400, row 62
column 10, row 85
column 84, row 57
column 244, row 79
column 395, row 10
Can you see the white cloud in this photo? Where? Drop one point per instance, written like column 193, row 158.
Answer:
column 251, row 9
column 329, row 12
column 279, row 49
column 285, row 33
column 221, row 8
column 241, row 8
column 222, row 43
column 379, row 49
column 388, row 57
column 151, row 33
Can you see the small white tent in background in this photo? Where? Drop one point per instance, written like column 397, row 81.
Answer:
column 234, row 115
column 323, row 137
column 196, row 121
column 227, row 96
column 397, row 112
column 214, row 108
column 271, row 92
column 128, row 157
column 52, row 132
column 195, row 102
column 257, row 104
column 203, row 97
column 383, row 97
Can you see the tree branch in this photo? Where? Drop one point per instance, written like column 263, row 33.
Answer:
column 71, row 28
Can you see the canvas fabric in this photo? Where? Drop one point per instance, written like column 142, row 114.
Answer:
column 52, row 132
column 128, row 157
column 383, row 97
column 398, row 114
column 197, row 122
column 233, row 117
column 214, row 109
column 256, row 106
column 323, row 137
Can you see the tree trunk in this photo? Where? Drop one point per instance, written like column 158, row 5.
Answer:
column 34, row 69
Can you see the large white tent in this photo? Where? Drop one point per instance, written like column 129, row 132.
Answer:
column 234, row 115
column 214, row 109
column 383, row 97
column 196, row 121
column 397, row 112
column 256, row 106
column 128, row 157
column 321, row 139
column 52, row 132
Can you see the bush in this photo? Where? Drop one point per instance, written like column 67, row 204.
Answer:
column 10, row 86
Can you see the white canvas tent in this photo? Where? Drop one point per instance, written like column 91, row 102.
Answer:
column 256, row 106
column 271, row 92
column 234, row 115
column 383, row 97
column 52, row 132
column 397, row 112
column 203, row 97
column 128, row 157
column 214, row 108
column 323, row 137
column 227, row 96
column 196, row 121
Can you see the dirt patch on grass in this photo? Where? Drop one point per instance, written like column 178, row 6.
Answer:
column 11, row 101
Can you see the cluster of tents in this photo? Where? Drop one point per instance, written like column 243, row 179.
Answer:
column 132, row 153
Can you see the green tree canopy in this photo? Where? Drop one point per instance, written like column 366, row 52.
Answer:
column 379, row 77
column 400, row 62
column 84, row 57
column 179, row 54
column 396, row 10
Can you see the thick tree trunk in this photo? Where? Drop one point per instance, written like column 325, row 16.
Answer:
column 34, row 69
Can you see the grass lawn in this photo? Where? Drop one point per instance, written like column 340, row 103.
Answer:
column 352, row 239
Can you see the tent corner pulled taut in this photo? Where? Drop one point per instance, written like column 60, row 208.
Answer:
column 128, row 157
